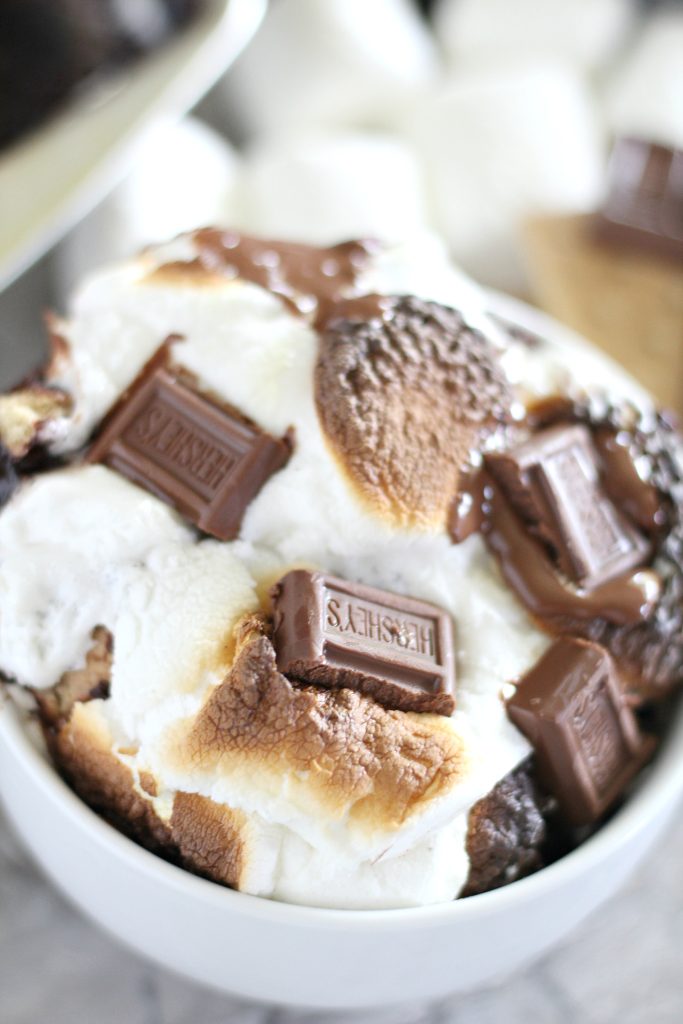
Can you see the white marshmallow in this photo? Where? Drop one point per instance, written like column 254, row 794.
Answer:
column 320, row 189
column 585, row 32
column 184, row 175
column 324, row 63
column 500, row 145
column 645, row 94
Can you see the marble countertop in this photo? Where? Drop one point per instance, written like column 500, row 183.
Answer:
column 624, row 966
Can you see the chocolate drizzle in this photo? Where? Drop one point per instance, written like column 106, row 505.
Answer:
column 308, row 279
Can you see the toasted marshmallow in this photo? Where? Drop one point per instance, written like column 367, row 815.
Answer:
column 499, row 145
column 342, row 63
column 83, row 547
column 644, row 94
column 585, row 32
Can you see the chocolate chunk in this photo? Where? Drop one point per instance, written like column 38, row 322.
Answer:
column 201, row 457
column 587, row 741
column 552, row 481
column 644, row 206
column 339, row 634
column 8, row 476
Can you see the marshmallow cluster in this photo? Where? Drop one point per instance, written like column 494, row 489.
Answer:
column 361, row 119
column 81, row 547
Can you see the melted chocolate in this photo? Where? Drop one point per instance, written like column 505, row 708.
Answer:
column 627, row 600
column 471, row 506
column 308, row 279
column 638, row 498
column 552, row 479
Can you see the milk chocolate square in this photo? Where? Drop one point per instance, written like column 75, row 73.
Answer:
column 198, row 455
column 644, row 205
column 552, row 480
column 335, row 633
column 586, row 739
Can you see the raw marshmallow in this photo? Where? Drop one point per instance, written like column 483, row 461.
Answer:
column 320, row 189
column 500, row 145
column 184, row 174
column 344, row 63
column 645, row 94
column 585, row 32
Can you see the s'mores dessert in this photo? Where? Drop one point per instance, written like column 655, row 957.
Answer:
column 328, row 585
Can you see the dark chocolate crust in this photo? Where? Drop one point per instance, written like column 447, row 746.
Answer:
column 507, row 831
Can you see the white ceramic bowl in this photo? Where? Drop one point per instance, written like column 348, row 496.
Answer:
column 304, row 956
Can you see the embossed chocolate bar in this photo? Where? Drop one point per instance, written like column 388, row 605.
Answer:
column 335, row 633
column 202, row 458
column 644, row 206
column 587, row 741
column 552, row 481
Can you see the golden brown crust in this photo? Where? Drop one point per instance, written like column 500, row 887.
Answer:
column 337, row 749
column 403, row 401
column 210, row 837
column 82, row 684
column 25, row 415
column 82, row 750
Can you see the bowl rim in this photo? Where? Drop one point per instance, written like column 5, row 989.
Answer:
column 655, row 794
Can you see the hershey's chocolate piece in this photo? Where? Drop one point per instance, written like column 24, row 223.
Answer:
column 644, row 206
column 552, row 480
column 202, row 458
column 8, row 476
column 586, row 738
column 335, row 633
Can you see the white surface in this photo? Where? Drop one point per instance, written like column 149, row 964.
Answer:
column 323, row 188
column 621, row 966
column 585, row 32
column 51, row 178
column 184, row 174
column 499, row 145
column 330, row 63
column 645, row 94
